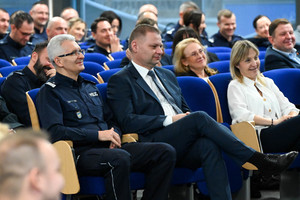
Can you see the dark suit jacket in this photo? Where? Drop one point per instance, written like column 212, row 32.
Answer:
column 277, row 60
column 135, row 106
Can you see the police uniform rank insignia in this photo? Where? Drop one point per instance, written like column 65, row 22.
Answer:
column 78, row 113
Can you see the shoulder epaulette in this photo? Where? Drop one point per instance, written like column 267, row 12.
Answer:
column 19, row 72
column 51, row 84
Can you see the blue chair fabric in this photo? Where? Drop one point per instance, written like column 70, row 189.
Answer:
column 168, row 45
column 92, row 68
column 96, row 57
column 223, row 55
column 5, row 71
column 105, row 75
column 169, row 67
column 168, row 52
column 113, row 63
column 222, row 66
column 22, row 60
column 4, row 63
column 89, row 77
column 218, row 49
column 262, row 65
column 118, row 54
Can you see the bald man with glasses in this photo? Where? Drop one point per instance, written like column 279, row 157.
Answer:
column 17, row 43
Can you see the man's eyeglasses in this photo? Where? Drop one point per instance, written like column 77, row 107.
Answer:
column 75, row 52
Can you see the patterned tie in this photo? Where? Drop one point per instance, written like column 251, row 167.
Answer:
column 168, row 97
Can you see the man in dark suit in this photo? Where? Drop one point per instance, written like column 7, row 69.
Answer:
column 282, row 54
column 157, row 111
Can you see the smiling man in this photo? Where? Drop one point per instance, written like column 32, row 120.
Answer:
column 4, row 23
column 32, row 76
column 227, row 25
column 40, row 15
column 17, row 44
column 282, row 54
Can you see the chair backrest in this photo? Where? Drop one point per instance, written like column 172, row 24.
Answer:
column 223, row 55
column 168, row 51
column 89, row 77
column 31, row 102
column 22, row 60
column 5, row 71
column 220, row 82
column 169, row 67
column 198, row 95
column 102, row 89
column 168, row 45
column 262, row 55
column 222, row 66
column 118, row 54
column 113, row 64
column 4, row 63
column 262, row 65
column 105, row 75
column 288, row 81
column 92, row 68
column 218, row 49
column 96, row 57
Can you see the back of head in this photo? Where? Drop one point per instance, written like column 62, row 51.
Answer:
column 19, row 17
column 69, row 13
column 148, row 21
column 141, row 31
column 188, row 5
column 224, row 13
column 54, row 47
column 274, row 24
column 19, row 154
column 182, row 33
column 239, row 52
column 148, row 8
column 193, row 18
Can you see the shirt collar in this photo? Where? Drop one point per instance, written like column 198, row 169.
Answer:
column 250, row 82
column 64, row 80
column 288, row 54
column 142, row 70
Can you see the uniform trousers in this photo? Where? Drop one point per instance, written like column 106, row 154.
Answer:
column 156, row 160
column 198, row 140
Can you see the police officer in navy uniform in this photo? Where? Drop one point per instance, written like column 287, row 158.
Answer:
column 17, row 44
column 32, row 76
column 70, row 108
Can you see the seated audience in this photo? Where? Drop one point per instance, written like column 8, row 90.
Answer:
column 114, row 20
column 261, row 25
column 77, row 28
column 40, row 15
column 29, row 167
column 71, row 108
column 190, row 59
column 282, row 53
column 227, row 25
column 147, row 100
column 69, row 13
column 187, row 32
column 16, row 43
column 184, row 7
column 32, row 76
column 253, row 97
column 105, row 41
column 148, row 8
column 196, row 20
column 4, row 23
column 56, row 26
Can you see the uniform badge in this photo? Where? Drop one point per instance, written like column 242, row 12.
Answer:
column 78, row 113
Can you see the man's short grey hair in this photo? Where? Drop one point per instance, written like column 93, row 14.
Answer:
column 188, row 5
column 54, row 47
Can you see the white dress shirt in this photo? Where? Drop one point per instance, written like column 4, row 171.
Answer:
column 167, row 107
column 244, row 101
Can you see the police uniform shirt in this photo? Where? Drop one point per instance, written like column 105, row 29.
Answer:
column 219, row 41
column 13, row 90
column 38, row 37
column 73, row 110
column 96, row 49
column 9, row 49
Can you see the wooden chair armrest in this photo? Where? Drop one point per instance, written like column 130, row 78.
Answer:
column 99, row 78
column 246, row 132
column 68, row 168
column 130, row 137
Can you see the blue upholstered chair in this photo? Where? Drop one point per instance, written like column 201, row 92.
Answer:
column 5, row 71
column 223, row 55
column 168, row 45
column 218, row 49
column 168, row 51
column 22, row 60
column 89, row 77
column 118, row 54
column 104, row 76
column 169, row 67
column 96, row 57
column 92, row 68
column 4, row 63
column 113, row 64
column 222, row 66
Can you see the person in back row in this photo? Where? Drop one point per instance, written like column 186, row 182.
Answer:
column 227, row 25
column 4, row 23
column 32, row 76
column 261, row 25
column 147, row 100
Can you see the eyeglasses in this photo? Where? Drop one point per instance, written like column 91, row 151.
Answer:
column 24, row 33
column 75, row 52
column 196, row 53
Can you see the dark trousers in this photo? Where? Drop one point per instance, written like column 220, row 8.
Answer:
column 283, row 137
column 198, row 140
column 156, row 160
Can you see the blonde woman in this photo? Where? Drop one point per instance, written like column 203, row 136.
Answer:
column 77, row 28
column 253, row 97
